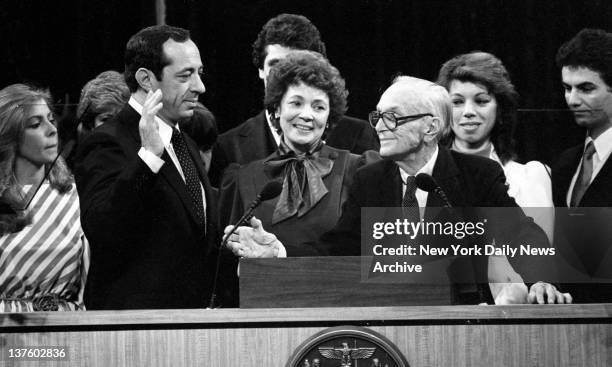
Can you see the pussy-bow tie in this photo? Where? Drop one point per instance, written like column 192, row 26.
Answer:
column 303, row 175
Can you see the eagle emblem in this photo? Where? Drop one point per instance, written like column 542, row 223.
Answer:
column 346, row 354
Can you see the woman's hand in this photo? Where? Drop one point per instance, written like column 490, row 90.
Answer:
column 253, row 242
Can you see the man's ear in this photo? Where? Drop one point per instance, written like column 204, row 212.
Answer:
column 262, row 76
column 433, row 127
column 145, row 79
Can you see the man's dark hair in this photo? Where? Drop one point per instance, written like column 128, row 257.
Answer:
column 145, row 49
column 590, row 48
column 288, row 30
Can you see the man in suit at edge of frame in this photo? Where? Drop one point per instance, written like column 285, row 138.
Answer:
column 582, row 175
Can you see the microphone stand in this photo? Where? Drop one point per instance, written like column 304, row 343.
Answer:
column 246, row 216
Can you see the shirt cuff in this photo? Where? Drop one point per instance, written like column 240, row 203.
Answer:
column 151, row 160
column 282, row 252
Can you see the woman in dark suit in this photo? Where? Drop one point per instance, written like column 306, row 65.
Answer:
column 305, row 95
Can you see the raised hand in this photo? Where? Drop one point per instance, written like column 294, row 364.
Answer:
column 149, row 131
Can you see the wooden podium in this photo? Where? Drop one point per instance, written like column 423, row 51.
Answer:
column 459, row 336
column 334, row 281
column 510, row 336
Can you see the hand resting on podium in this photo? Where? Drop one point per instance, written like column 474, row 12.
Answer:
column 506, row 285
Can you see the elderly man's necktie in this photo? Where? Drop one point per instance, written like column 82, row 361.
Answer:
column 410, row 205
column 584, row 177
column 189, row 170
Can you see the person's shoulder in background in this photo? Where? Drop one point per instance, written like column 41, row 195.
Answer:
column 354, row 135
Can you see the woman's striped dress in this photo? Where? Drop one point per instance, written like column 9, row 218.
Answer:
column 44, row 266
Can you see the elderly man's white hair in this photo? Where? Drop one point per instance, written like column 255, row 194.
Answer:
column 430, row 96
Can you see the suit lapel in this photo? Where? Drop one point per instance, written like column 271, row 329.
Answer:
column 169, row 172
column 445, row 173
column 391, row 179
column 130, row 118
column 599, row 192
column 197, row 160
column 256, row 138
column 562, row 178
column 385, row 190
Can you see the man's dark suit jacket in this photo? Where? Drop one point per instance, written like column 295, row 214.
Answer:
column 468, row 181
column 252, row 140
column 585, row 245
column 147, row 248
column 599, row 192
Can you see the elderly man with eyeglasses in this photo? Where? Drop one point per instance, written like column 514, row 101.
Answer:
column 410, row 118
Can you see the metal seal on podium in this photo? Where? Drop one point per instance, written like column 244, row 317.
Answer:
column 347, row 346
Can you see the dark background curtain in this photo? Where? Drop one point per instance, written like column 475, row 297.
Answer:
column 63, row 44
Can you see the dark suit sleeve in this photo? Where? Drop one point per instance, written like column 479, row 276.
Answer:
column 354, row 135
column 495, row 190
column 112, row 187
column 231, row 206
column 218, row 164
column 513, row 227
column 366, row 140
column 342, row 240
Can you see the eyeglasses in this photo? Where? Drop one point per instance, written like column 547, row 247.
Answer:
column 391, row 121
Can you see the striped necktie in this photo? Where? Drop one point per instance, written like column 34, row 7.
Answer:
column 584, row 177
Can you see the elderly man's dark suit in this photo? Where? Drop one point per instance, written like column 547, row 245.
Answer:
column 467, row 180
column 253, row 140
column 585, row 241
column 148, row 248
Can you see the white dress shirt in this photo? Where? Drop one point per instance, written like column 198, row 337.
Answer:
column 275, row 134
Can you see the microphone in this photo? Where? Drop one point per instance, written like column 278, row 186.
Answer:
column 271, row 190
column 427, row 183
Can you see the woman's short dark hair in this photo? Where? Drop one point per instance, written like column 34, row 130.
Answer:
column 487, row 70
column 312, row 69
